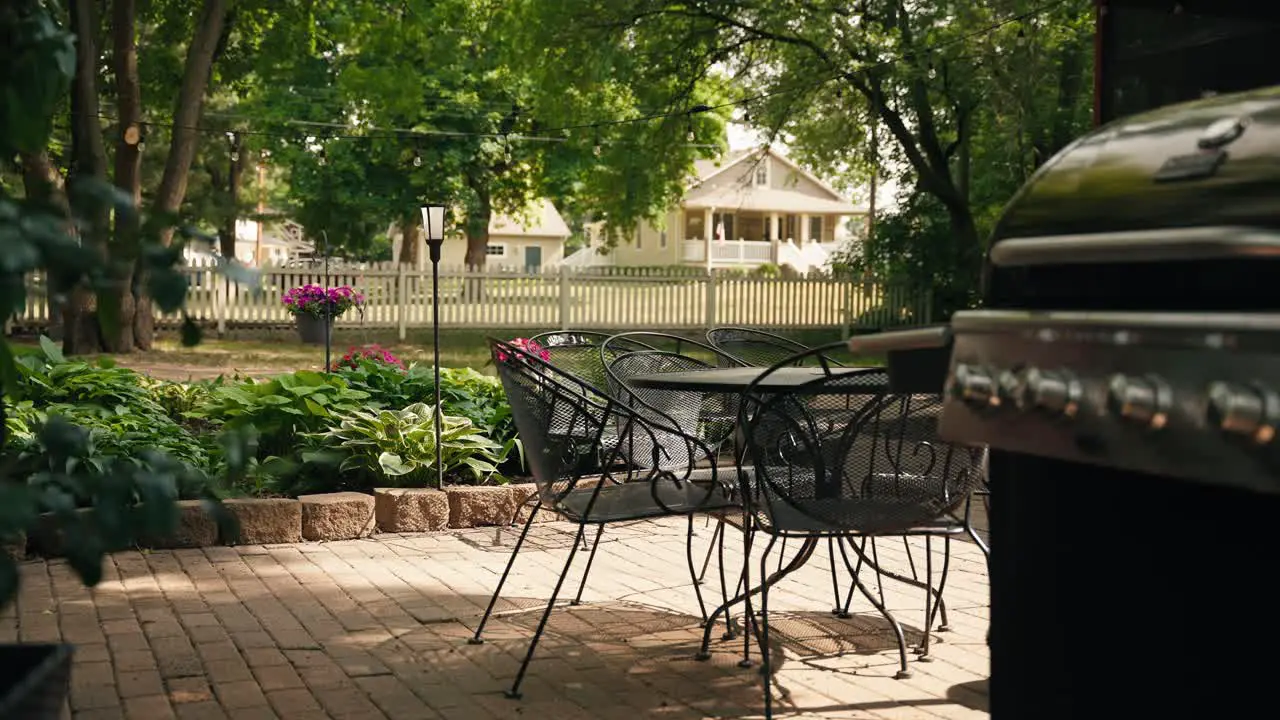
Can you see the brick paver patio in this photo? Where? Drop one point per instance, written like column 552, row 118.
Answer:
column 376, row 628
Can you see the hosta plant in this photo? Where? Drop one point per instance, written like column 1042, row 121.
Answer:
column 400, row 446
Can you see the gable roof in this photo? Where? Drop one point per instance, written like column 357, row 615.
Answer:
column 543, row 220
column 707, row 169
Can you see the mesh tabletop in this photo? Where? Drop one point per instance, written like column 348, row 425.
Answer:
column 787, row 379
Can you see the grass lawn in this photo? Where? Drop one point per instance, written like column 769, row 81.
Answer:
column 262, row 354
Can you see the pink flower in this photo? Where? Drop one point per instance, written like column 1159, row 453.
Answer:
column 311, row 299
column 529, row 346
column 369, row 352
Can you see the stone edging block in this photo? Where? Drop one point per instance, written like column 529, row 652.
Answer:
column 480, row 505
column 411, row 509
column 336, row 516
column 525, row 494
column 266, row 521
column 195, row 528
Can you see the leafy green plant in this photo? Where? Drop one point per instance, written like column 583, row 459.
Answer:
column 479, row 398
column 388, row 385
column 115, row 436
column 46, row 377
column 400, row 446
column 180, row 399
column 282, row 407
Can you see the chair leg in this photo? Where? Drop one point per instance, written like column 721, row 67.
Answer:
column 747, row 616
column 766, row 667
column 706, row 562
column 693, row 572
column 911, row 558
column 942, row 584
column 848, row 599
column 724, row 587
column 879, row 605
column 923, row 650
column 514, row 692
column 476, row 639
column 973, row 532
column 577, row 599
column 835, row 581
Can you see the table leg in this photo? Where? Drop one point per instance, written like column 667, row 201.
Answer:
column 806, row 552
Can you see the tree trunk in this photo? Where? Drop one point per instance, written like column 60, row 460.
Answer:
column 235, row 174
column 182, row 145
column 128, row 170
column 410, row 241
column 477, row 229
column 89, row 163
column 42, row 182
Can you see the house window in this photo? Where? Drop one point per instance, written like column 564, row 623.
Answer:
column 662, row 240
column 815, row 228
column 639, row 239
column 693, row 225
column 762, row 173
column 495, row 250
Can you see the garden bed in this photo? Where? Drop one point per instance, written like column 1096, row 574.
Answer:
column 301, row 455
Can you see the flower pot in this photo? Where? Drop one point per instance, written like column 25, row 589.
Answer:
column 312, row 329
column 34, row 680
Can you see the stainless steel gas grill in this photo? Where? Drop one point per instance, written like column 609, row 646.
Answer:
column 1125, row 371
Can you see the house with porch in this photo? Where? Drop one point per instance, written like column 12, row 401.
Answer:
column 744, row 210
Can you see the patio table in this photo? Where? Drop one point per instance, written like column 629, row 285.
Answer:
column 781, row 380
column 785, row 380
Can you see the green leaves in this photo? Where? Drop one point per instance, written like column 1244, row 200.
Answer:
column 402, row 444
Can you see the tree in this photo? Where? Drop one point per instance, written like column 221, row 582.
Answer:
column 483, row 106
column 820, row 73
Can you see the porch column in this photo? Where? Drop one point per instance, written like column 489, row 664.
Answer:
column 774, row 232
column 804, row 229
column 707, row 231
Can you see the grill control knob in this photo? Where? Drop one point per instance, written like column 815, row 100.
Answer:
column 1056, row 392
column 1144, row 400
column 975, row 386
column 1243, row 410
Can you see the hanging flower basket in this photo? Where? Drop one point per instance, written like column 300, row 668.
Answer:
column 311, row 329
column 314, row 309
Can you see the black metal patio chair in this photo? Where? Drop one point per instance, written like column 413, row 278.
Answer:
column 756, row 347
column 711, row 416
column 828, row 468
column 579, row 353
column 666, row 484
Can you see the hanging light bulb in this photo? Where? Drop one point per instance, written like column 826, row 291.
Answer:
column 417, row 159
column 597, row 151
column 323, row 159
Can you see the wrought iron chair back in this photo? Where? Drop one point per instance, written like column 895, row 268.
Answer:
column 578, row 352
column 831, row 458
column 710, row 415
column 755, row 347
column 603, row 435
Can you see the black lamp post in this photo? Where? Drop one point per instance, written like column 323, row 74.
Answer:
column 433, row 228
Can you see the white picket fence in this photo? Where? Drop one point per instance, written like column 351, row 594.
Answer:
column 400, row 297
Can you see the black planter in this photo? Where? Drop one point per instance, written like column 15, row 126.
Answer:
column 34, row 680
column 312, row 329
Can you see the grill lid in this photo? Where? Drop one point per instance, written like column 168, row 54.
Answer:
column 1209, row 163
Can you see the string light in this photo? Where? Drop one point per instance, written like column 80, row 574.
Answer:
column 417, row 159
